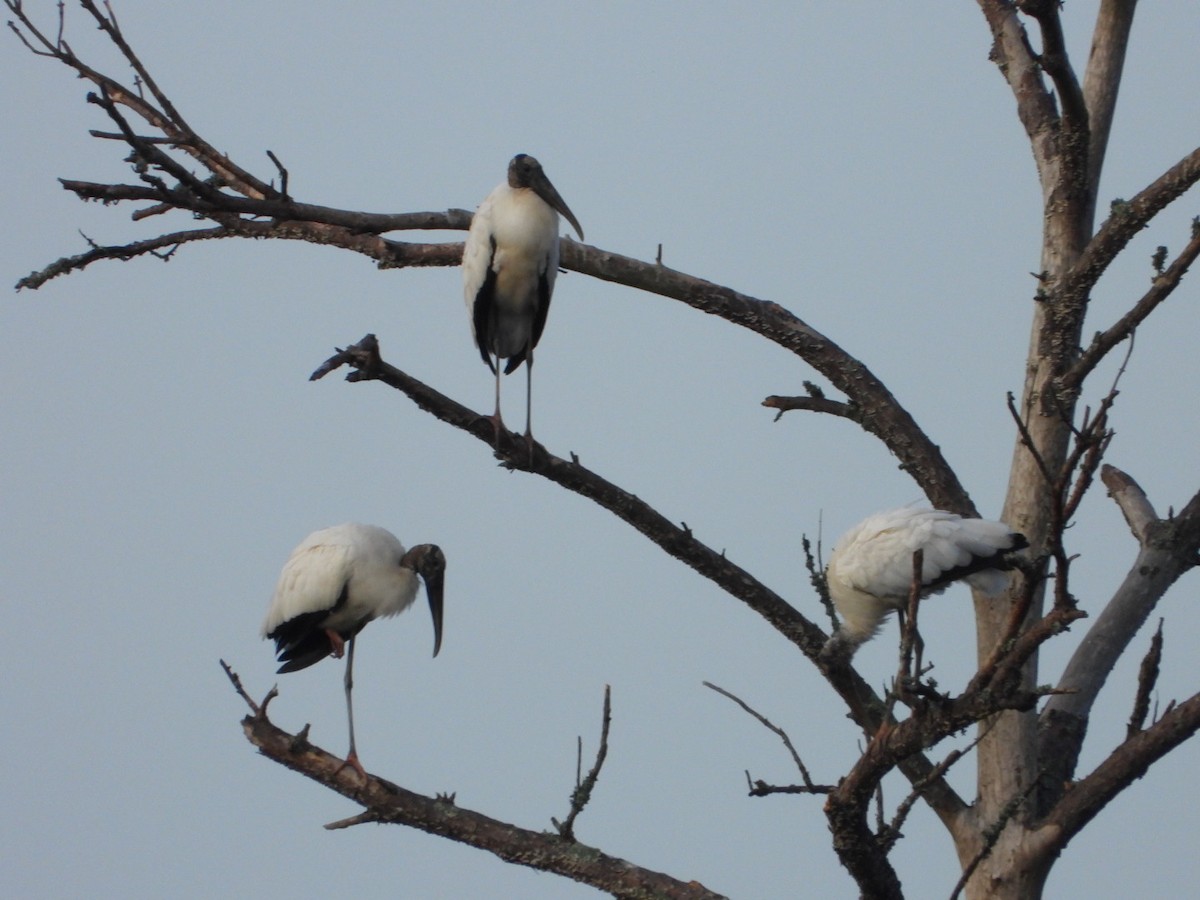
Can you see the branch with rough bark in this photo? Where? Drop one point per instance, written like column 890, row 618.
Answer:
column 387, row 803
column 1013, row 55
column 1123, row 329
column 1102, row 83
column 1128, row 217
column 1166, row 549
column 515, row 453
column 1127, row 763
column 1054, row 60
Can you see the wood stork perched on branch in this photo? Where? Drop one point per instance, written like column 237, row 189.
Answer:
column 510, row 261
column 336, row 581
column 870, row 571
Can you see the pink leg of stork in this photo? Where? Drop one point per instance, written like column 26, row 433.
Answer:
column 336, row 642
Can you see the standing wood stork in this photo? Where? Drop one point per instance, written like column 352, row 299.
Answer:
column 336, row 581
column 510, row 261
column 870, row 570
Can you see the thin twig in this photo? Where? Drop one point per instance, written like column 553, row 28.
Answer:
column 809, row 787
column 816, row 577
column 1162, row 288
column 364, row 817
column 1147, row 679
column 283, row 176
column 1027, row 439
column 583, row 790
column 1091, row 443
column 259, row 709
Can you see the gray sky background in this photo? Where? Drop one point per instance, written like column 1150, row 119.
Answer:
column 161, row 450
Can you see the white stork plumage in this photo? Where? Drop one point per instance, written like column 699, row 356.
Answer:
column 510, row 261
column 336, row 581
column 871, row 567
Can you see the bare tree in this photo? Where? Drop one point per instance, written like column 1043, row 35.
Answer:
column 1031, row 800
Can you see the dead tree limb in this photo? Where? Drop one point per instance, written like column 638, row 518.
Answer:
column 583, row 787
column 387, row 803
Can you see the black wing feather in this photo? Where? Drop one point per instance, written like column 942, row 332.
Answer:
column 543, row 310
column 483, row 310
column 302, row 641
column 999, row 560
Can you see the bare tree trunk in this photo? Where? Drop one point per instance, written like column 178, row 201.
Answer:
column 1069, row 154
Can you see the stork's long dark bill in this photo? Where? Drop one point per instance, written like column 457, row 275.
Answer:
column 433, row 588
column 544, row 189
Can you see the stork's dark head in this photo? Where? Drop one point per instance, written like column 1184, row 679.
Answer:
column 428, row 561
column 526, row 172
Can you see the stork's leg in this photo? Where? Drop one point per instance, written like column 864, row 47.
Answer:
column 336, row 643
column 352, row 756
column 497, row 422
column 529, row 402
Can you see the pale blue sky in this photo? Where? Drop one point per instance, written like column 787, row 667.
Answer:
column 161, row 450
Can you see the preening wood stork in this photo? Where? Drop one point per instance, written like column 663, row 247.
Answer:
column 871, row 567
column 510, row 261
column 336, row 581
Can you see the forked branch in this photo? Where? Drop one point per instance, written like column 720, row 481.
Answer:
column 388, row 803
column 1164, row 285
column 760, row 788
column 584, row 785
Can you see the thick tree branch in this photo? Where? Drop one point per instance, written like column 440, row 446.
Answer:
column 1127, row 218
column 515, row 453
column 1014, row 57
column 1168, row 548
column 1135, row 506
column 1129, row 762
column 385, row 802
column 1101, row 83
column 877, row 410
column 1056, row 63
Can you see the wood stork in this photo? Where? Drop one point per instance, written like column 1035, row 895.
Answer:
column 510, row 261
column 336, row 581
column 870, row 570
